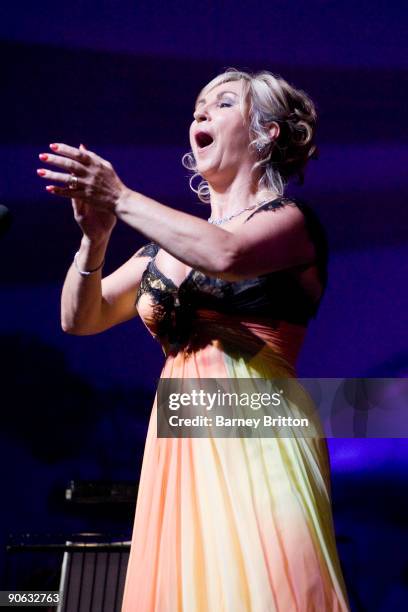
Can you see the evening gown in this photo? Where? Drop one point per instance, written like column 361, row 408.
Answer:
column 233, row 524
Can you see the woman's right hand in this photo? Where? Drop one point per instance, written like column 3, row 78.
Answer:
column 95, row 224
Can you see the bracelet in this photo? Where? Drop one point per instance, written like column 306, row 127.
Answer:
column 86, row 272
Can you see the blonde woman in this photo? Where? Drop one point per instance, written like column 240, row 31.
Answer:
column 222, row 524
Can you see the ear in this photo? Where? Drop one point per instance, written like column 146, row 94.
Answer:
column 274, row 130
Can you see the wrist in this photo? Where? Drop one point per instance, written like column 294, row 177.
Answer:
column 123, row 202
column 95, row 242
column 87, row 272
column 90, row 257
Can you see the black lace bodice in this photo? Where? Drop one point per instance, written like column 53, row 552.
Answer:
column 276, row 295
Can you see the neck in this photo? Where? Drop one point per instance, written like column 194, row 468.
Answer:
column 234, row 197
column 235, row 202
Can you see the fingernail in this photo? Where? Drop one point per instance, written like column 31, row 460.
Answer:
column 41, row 172
column 43, row 156
column 54, row 146
column 50, row 187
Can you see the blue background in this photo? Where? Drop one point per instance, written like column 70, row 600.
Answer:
column 122, row 78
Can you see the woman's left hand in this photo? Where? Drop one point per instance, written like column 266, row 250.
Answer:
column 86, row 176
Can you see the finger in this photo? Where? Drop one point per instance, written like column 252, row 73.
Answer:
column 63, row 162
column 83, row 157
column 87, row 155
column 55, row 176
column 94, row 156
column 63, row 192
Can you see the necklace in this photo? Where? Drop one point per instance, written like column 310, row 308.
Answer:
column 227, row 218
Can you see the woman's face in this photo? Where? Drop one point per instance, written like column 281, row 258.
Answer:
column 219, row 134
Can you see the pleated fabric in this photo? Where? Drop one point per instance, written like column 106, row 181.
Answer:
column 234, row 524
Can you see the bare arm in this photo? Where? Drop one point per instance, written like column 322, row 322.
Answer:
column 268, row 242
column 92, row 304
column 265, row 244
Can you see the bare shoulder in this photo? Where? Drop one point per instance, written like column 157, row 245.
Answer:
column 292, row 217
column 273, row 237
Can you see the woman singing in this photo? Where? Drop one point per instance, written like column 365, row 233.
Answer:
column 238, row 524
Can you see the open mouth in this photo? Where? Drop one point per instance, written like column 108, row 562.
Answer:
column 203, row 140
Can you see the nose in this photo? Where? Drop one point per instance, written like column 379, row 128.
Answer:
column 201, row 114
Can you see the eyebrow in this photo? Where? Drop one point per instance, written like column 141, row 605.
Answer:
column 219, row 95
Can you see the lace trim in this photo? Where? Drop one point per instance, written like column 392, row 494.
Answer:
column 173, row 306
column 172, row 313
column 147, row 250
column 272, row 205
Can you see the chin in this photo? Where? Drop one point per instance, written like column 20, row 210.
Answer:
column 204, row 170
column 207, row 167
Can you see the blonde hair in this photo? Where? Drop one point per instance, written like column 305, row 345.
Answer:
column 269, row 98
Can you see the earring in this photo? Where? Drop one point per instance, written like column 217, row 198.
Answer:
column 259, row 147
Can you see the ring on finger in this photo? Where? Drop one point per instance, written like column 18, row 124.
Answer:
column 73, row 182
